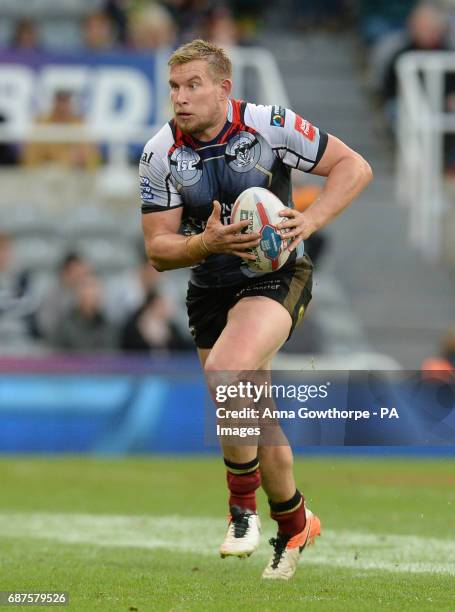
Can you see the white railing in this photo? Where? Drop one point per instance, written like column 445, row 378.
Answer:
column 270, row 88
column 422, row 124
column 270, row 84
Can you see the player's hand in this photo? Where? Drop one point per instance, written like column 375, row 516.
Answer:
column 299, row 226
column 221, row 238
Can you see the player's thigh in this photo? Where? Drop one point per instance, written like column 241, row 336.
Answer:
column 203, row 355
column 256, row 328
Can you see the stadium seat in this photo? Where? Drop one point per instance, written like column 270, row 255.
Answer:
column 37, row 252
column 106, row 253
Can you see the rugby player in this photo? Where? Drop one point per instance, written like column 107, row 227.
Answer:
column 191, row 173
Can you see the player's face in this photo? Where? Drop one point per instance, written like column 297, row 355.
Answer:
column 198, row 100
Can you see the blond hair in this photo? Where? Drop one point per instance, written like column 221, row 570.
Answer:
column 219, row 64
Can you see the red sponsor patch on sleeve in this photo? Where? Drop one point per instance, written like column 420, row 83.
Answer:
column 304, row 127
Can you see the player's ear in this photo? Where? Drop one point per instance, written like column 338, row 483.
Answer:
column 226, row 88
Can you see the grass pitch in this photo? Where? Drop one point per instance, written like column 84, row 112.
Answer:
column 142, row 534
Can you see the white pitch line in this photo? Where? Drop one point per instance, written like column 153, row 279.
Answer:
column 202, row 535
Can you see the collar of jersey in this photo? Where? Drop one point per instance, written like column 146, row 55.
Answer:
column 207, row 143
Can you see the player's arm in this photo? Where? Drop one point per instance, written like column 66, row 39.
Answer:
column 168, row 250
column 347, row 172
column 303, row 146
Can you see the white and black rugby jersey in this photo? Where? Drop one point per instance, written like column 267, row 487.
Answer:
column 258, row 146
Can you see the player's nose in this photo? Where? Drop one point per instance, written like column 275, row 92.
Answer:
column 180, row 97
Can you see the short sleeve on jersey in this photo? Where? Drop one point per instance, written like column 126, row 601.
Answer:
column 298, row 143
column 157, row 191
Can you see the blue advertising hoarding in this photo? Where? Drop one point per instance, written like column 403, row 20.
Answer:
column 160, row 404
column 115, row 89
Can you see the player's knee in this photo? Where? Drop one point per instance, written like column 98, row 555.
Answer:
column 242, row 361
column 216, row 364
column 218, row 375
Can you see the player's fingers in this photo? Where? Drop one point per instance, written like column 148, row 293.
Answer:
column 243, row 255
column 293, row 233
column 295, row 243
column 290, row 218
column 288, row 215
column 235, row 228
column 216, row 212
column 243, row 237
column 242, row 246
column 254, row 239
column 287, row 212
column 287, row 224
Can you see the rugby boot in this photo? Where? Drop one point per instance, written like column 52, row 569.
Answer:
column 242, row 537
column 287, row 549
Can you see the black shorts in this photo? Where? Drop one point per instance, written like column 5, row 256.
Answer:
column 208, row 307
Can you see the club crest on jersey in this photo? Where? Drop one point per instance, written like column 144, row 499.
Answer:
column 278, row 116
column 243, row 152
column 186, row 166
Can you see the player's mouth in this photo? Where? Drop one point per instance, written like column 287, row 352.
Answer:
column 184, row 115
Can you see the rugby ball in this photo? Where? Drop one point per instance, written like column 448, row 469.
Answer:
column 261, row 207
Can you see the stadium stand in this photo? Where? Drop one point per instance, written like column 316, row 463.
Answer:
column 362, row 303
column 95, row 215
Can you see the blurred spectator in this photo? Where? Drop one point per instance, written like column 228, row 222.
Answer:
column 84, row 327
column 221, row 28
column 151, row 26
column 379, row 18
column 97, row 32
column 14, row 286
column 326, row 14
column 61, row 296
column 427, row 31
column 5, row 255
column 190, row 16
column 116, row 10
column 152, row 327
column 253, row 9
column 17, row 302
column 442, row 367
column 448, row 346
column 25, row 36
column 130, row 293
column 77, row 155
column 8, row 153
column 248, row 16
